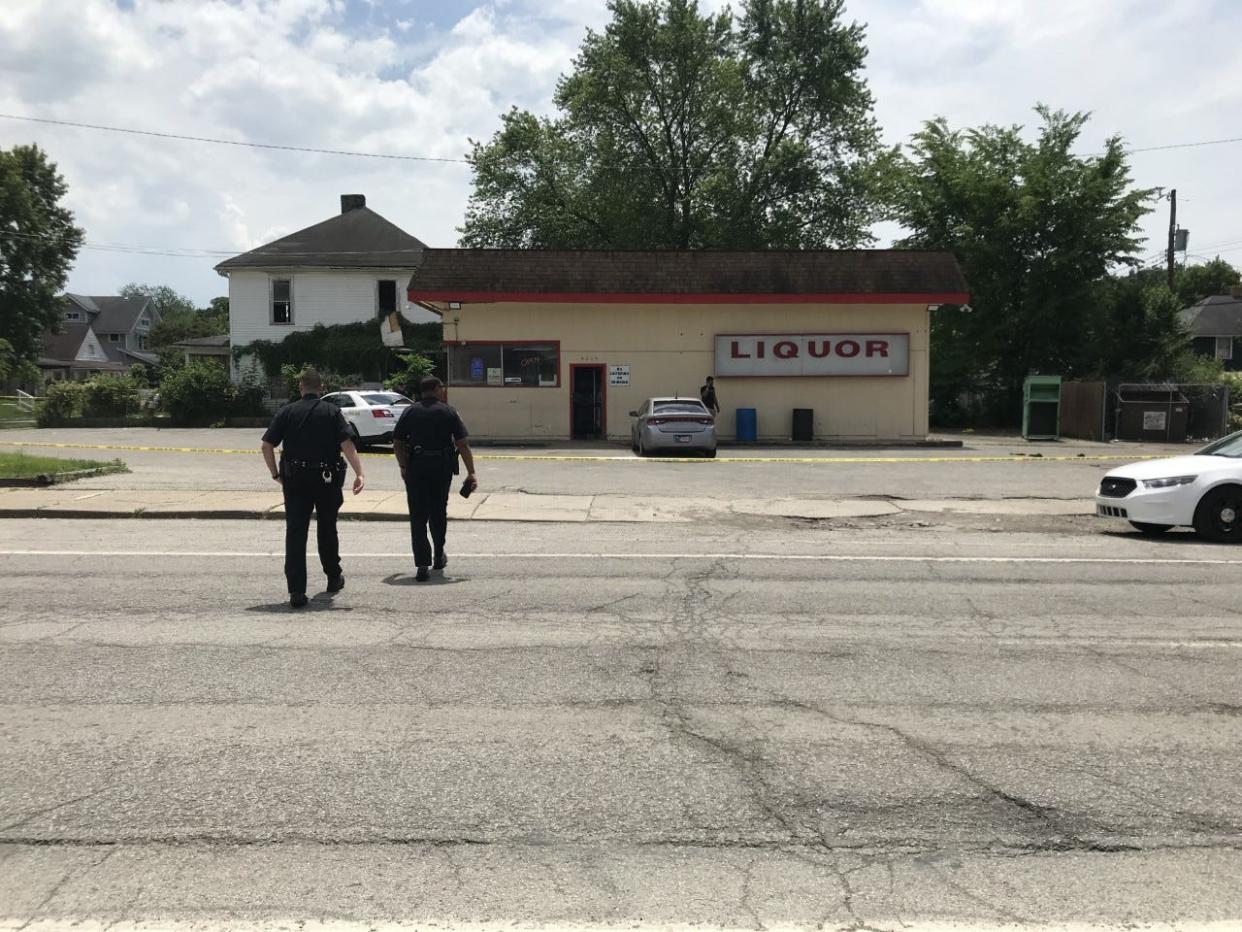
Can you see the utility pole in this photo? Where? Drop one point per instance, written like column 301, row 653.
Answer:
column 1172, row 231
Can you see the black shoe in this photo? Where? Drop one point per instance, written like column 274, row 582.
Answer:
column 423, row 574
column 298, row 600
column 336, row 583
column 441, row 561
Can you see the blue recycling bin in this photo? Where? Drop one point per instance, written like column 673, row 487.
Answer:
column 747, row 425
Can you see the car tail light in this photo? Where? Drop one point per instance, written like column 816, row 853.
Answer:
column 656, row 421
column 381, row 412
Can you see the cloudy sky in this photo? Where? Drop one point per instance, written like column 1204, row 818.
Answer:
column 420, row 77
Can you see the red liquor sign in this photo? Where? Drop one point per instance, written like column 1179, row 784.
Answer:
column 812, row 354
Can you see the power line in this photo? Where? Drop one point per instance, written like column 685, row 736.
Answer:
column 426, row 158
column 232, row 142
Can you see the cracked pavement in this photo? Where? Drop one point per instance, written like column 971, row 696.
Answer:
column 753, row 737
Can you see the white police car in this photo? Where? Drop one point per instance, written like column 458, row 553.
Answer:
column 371, row 415
column 1203, row 491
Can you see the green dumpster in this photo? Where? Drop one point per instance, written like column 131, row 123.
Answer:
column 1041, row 407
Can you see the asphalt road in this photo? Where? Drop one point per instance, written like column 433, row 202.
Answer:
column 644, row 726
column 986, row 467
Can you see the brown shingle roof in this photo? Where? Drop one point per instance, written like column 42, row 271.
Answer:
column 517, row 274
column 357, row 239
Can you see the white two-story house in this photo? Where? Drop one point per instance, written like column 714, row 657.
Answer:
column 352, row 267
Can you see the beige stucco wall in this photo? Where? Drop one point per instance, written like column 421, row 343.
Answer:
column 670, row 350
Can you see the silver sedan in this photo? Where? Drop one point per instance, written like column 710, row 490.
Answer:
column 679, row 424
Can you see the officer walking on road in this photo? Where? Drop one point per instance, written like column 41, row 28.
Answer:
column 313, row 436
column 427, row 441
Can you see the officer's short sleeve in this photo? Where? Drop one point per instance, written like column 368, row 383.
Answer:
column 402, row 430
column 459, row 427
column 276, row 430
column 341, row 426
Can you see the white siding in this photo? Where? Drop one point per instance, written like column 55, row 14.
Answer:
column 91, row 350
column 319, row 297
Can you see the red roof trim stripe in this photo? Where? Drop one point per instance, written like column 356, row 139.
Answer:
column 529, row 297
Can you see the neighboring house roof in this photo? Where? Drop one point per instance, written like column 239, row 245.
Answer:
column 358, row 237
column 60, row 351
column 867, row 276
column 64, row 346
column 114, row 314
column 87, row 304
column 119, row 315
column 220, row 340
column 1215, row 316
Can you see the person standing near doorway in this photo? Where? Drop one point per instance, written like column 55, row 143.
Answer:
column 708, row 395
column 313, row 437
column 427, row 440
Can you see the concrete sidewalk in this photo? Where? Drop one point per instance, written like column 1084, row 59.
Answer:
column 500, row 506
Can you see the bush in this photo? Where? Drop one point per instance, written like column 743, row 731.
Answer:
column 332, row 381
column 417, row 368
column 110, row 396
column 198, row 391
column 62, row 401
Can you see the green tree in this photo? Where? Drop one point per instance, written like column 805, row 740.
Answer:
column 1196, row 282
column 1036, row 229
column 38, row 243
column 679, row 129
column 165, row 299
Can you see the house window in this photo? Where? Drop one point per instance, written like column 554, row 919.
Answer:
column 73, row 315
column 515, row 365
column 114, row 338
column 385, row 298
column 144, row 322
column 282, row 301
column 142, row 341
column 1224, row 348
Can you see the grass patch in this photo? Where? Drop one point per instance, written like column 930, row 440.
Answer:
column 22, row 466
column 9, row 411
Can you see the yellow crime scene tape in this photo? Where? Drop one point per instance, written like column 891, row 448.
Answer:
column 583, row 458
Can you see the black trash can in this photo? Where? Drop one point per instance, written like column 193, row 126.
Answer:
column 804, row 424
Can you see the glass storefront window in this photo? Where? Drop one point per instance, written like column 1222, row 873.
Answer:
column 516, row 365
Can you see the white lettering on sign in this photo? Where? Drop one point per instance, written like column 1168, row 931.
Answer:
column 618, row 375
column 812, row 354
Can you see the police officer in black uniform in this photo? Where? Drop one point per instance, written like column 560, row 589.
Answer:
column 313, row 436
column 427, row 441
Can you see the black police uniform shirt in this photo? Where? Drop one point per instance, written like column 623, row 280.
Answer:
column 309, row 430
column 431, row 424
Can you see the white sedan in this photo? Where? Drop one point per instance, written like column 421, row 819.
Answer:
column 371, row 415
column 1203, row 491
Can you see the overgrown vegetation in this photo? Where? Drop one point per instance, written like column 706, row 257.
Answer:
column 349, row 349
column 203, row 391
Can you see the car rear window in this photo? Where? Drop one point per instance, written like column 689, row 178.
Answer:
column 384, row 398
column 679, row 407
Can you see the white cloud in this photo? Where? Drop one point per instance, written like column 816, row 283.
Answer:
column 314, row 73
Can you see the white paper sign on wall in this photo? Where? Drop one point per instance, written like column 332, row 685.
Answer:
column 739, row 355
column 618, row 375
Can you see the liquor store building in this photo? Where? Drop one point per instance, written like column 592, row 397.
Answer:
column 557, row 345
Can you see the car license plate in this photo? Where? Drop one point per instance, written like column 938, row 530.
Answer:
column 683, row 438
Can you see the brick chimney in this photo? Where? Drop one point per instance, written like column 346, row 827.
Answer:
column 352, row 202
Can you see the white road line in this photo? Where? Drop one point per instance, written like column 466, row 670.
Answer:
column 773, row 557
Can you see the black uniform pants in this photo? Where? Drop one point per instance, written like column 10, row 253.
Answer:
column 306, row 492
column 427, row 495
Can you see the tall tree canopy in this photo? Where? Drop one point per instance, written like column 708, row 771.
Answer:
column 1036, row 228
column 179, row 319
column 38, row 243
column 679, row 129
